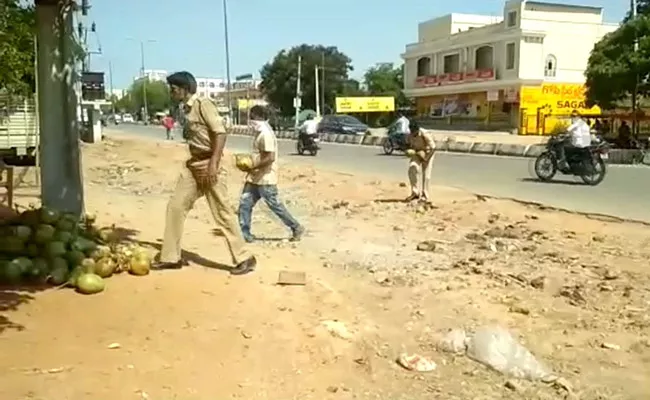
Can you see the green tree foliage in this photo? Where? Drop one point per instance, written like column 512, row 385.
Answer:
column 157, row 97
column 613, row 65
column 386, row 80
column 17, row 30
column 280, row 75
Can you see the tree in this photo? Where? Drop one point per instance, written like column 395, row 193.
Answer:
column 279, row 76
column 157, row 97
column 614, row 68
column 17, row 29
column 386, row 80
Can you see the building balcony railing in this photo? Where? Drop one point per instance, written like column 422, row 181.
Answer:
column 480, row 75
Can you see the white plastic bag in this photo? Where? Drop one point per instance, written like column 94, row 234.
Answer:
column 496, row 348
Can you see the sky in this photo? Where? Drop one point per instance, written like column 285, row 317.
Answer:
column 189, row 35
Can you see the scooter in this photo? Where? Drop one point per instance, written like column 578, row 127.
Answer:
column 394, row 141
column 307, row 142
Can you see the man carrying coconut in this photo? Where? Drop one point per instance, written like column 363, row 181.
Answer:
column 202, row 175
column 421, row 151
column 262, row 178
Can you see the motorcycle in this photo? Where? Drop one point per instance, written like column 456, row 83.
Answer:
column 307, row 142
column 394, row 141
column 587, row 163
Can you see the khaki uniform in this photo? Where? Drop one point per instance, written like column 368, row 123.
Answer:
column 202, row 120
column 423, row 141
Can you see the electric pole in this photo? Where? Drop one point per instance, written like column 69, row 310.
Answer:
column 635, row 124
column 322, row 85
column 297, row 101
column 317, row 94
column 227, row 48
column 145, row 78
column 110, row 84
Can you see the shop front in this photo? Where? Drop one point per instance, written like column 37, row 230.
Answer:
column 546, row 109
column 489, row 109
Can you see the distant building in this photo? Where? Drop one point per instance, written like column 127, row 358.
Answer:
column 210, row 87
column 153, row 75
column 244, row 90
column 117, row 93
column 524, row 68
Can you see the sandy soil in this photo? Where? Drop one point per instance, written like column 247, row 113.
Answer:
column 575, row 291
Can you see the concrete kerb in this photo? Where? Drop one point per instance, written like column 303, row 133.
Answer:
column 616, row 156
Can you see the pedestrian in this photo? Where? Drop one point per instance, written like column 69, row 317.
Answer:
column 262, row 178
column 202, row 175
column 168, row 124
column 421, row 152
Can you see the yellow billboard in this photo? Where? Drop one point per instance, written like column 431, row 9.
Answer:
column 557, row 98
column 248, row 103
column 364, row 104
column 549, row 105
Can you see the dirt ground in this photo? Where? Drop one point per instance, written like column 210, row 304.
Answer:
column 574, row 290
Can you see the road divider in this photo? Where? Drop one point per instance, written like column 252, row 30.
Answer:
column 450, row 144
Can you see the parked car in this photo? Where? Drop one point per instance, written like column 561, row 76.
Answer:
column 342, row 124
column 127, row 118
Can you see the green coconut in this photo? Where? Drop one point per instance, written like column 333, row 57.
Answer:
column 39, row 269
column 88, row 265
column 63, row 236
column 66, row 224
column 75, row 257
column 58, row 276
column 139, row 265
column 74, row 276
column 22, row 232
column 12, row 245
column 44, row 234
column 105, row 267
column 49, row 216
column 58, row 263
column 101, row 252
column 83, row 245
column 12, row 272
column 55, row 249
column 32, row 250
column 90, row 284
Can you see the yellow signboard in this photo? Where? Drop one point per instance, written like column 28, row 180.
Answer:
column 557, row 98
column 549, row 105
column 247, row 103
column 364, row 104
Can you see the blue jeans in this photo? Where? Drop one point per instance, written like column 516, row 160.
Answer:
column 250, row 195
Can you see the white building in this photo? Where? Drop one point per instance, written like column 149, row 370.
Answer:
column 153, row 75
column 210, row 87
column 467, row 64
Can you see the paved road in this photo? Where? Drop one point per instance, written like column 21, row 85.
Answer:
column 625, row 192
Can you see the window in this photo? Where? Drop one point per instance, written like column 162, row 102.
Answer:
column 483, row 58
column 201, row 84
column 451, row 64
column 211, row 84
column 550, row 66
column 510, row 56
column 424, row 66
column 512, row 19
column 222, row 85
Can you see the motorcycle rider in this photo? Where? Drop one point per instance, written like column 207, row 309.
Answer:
column 402, row 124
column 579, row 138
column 308, row 128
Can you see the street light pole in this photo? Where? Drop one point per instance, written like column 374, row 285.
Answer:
column 633, row 6
column 145, row 106
column 110, row 83
column 227, row 48
column 322, row 86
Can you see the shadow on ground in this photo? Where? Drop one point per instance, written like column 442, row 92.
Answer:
column 11, row 298
column 552, row 182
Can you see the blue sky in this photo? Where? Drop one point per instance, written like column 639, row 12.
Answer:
column 189, row 34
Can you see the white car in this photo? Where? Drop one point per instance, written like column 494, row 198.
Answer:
column 127, row 118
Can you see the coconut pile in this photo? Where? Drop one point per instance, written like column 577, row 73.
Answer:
column 43, row 246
